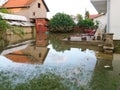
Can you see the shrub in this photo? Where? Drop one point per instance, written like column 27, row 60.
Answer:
column 87, row 23
column 61, row 23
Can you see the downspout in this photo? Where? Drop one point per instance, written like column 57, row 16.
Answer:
column 108, row 17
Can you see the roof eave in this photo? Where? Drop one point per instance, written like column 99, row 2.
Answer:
column 100, row 5
column 14, row 7
column 45, row 5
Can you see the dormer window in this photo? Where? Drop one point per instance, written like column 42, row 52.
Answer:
column 38, row 5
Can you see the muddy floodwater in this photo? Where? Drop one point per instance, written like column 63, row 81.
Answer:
column 73, row 65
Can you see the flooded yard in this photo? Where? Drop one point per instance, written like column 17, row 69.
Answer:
column 48, row 63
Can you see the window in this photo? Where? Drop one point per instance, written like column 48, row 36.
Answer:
column 38, row 5
column 33, row 13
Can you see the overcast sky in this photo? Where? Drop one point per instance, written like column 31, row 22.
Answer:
column 71, row 7
column 2, row 2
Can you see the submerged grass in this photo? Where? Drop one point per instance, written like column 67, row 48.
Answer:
column 117, row 46
column 50, row 81
column 47, row 81
column 103, row 81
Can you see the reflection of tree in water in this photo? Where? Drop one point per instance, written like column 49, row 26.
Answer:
column 3, row 44
column 59, row 45
column 103, row 77
column 55, row 40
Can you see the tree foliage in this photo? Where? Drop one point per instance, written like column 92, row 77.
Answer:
column 79, row 17
column 4, row 11
column 87, row 14
column 87, row 23
column 61, row 23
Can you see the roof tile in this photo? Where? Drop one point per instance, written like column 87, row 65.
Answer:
column 17, row 3
column 21, row 3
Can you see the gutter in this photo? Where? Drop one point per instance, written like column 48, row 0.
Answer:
column 14, row 7
column 108, row 16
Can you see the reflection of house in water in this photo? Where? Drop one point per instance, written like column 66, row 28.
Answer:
column 27, row 54
column 41, row 39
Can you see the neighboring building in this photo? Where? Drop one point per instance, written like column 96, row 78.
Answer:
column 101, row 20
column 74, row 18
column 18, row 20
column 34, row 10
column 93, row 16
column 110, row 7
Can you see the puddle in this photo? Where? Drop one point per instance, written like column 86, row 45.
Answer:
column 87, row 68
column 75, row 65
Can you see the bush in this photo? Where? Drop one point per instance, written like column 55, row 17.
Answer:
column 61, row 23
column 87, row 23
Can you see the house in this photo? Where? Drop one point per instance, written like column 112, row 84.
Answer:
column 94, row 16
column 101, row 19
column 110, row 8
column 34, row 10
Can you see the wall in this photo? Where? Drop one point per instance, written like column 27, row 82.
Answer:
column 40, row 25
column 115, row 19
column 28, row 29
column 102, row 21
column 28, row 12
column 39, row 12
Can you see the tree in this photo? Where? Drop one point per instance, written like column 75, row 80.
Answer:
column 79, row 17
column 86, row 23
column 61, row 22
column 87, row 14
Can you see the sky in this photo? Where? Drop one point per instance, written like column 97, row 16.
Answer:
column 2, row 2
column 71, row 7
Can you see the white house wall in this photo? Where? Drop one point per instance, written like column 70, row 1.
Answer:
column 102, row 21
column 115, row 19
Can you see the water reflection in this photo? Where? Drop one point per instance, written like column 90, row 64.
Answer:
column 26, row 53
column 68, row 60
column 16, row 39
column 74, row 65
column 104, row 61
column 41, row 39
column 106, row 72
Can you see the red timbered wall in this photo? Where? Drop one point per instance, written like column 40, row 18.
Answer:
column 41, row 25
